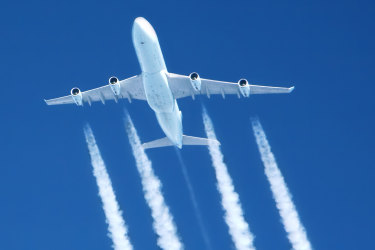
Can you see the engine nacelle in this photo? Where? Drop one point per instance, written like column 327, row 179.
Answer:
column 244, row 87
column 114, row 83
column 77, row 96
column 195, row 81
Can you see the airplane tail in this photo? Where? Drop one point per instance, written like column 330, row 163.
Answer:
column 186, row 140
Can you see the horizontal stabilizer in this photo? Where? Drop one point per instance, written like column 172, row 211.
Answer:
column 163, row 142
column 195, row 141
column 186, row 140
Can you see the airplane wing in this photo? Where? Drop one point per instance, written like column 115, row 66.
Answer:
column 182, row 87
column 130, row 88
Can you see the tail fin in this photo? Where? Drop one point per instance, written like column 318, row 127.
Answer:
column 186, row 140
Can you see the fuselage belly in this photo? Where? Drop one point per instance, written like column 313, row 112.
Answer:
column 155, row 82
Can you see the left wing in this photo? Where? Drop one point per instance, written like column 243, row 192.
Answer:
column 130, row 88
column 181, row 87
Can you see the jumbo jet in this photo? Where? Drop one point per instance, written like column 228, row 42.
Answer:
column 161, row 89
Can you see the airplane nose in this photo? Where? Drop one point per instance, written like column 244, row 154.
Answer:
column 138, row 22
column 143, row 30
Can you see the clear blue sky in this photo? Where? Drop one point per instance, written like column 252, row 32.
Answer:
column 322, row 135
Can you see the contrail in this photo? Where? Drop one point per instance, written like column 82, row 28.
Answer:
column 163, row 221
column 194, row 201
column 238, row 227
column 116, row 225
column 289, row 216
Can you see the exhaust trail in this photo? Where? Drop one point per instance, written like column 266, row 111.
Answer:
column 287, row 210
column 117, row 229
column 194, row 201
column 238, row 227
column 163, row 224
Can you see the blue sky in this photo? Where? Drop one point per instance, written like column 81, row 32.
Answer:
column 322, row 135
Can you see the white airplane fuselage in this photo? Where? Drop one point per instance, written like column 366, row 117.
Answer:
column 154, row 74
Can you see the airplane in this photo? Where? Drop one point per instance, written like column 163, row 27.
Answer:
column 161, row 89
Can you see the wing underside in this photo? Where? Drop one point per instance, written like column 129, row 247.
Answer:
column 130, row 88
column 181, row 87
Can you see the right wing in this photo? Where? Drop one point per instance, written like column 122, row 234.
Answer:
column 130, row 88
column 181, row 87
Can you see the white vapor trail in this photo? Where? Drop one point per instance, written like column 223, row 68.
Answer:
column 289, row 216
column 116, row 225
column 163, row 221
column 238, row 227
column 194, row 201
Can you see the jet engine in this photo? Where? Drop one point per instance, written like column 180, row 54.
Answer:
column 244, row 87
column 77, row 96
column 195, row 81
column 115, row 85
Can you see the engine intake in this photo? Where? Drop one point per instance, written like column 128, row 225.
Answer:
column 114, row 83
column 195, row 81
column 244, row 87
column 77, row 96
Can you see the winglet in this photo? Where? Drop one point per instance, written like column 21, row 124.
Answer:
column 291, row 89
